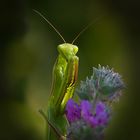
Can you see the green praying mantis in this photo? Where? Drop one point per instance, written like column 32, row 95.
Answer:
column 65, row 72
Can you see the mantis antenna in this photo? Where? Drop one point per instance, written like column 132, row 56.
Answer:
column 78, row 35
column 49, row 24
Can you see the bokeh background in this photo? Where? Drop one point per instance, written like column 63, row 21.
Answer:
column 28, row 52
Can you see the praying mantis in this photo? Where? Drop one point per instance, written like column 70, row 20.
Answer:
column 65, row 73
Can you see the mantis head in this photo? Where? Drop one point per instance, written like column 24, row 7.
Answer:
column 67, row 50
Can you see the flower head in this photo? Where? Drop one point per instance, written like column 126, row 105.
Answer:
column 107, row 82
column 85, row 111
column 85, row 121
column 104, row 83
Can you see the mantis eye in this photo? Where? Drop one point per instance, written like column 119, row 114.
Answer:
column 75, row 49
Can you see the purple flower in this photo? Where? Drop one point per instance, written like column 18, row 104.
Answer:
column 98, row 118
column 86, row 110
column 94, row 117
column 102, row 115
column 73, row 111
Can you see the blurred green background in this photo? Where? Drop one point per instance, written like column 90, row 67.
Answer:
column 28, row 52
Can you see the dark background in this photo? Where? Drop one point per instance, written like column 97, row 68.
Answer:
column 28, row 52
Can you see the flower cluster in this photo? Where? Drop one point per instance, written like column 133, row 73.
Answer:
column 89, row 118
column 83, row 118
column 98, row 117
column 104, row 82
